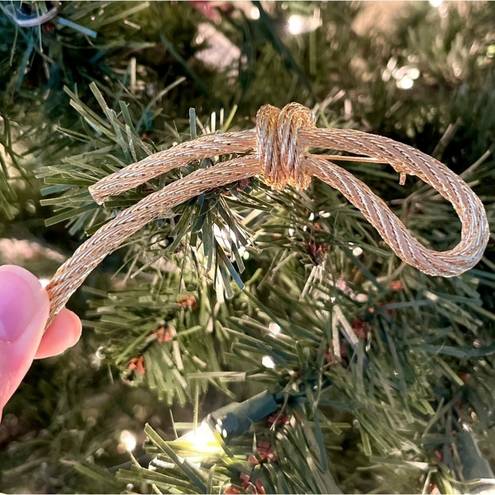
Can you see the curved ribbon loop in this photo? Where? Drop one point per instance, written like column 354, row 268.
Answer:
column 279, row 142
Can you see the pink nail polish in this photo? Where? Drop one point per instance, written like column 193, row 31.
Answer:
column 19, row 296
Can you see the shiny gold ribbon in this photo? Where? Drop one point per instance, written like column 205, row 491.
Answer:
column 276, row 149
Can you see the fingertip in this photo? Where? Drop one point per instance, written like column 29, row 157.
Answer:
column 73, row 326
column 13, row 276
column 63, row 333
column 22, row 273
column 24, row 307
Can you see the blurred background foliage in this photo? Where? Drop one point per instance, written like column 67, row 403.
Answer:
column 384, row 376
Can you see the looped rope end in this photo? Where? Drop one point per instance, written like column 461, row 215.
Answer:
column 278, row 147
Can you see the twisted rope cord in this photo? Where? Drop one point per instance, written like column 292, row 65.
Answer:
column 278, row 142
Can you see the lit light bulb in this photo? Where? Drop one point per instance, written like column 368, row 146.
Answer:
column 295, row 24
column 268, row 362
column 298, row 24
column 254, row 13
column 357, row 251
column 274, row 329
column 127, row 441
column 413, row 72
column 203, row 440
column 405, row 83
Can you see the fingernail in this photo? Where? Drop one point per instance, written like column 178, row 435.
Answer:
column 20, row 293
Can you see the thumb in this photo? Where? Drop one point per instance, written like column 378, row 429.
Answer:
column 24, row 309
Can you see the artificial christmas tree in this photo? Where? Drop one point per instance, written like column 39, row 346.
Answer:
column 249, row 340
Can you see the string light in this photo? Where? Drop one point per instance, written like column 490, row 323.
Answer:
column 231, row 420
column 404, row 76
column 268, row 362
column 202, row 440
column 357, row 251
column 193, row 447
column 254, row 13
column 127, row 441
column 274, row 329
column 295, row 24
column 299, row 24
column 405, row 83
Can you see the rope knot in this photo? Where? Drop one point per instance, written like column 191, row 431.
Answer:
column 278, row 147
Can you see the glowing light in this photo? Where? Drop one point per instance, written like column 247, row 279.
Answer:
column 254, row 13
column 295, row 24
column 436, row 3
column 127, row 440
column 413, row 72
column 274, row 329
column 405, row 83
column 202, row 440
column 298, row 24
column 268, row 362
column 357, row 251
column 404, row 76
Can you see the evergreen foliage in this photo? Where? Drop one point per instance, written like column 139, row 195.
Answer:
column 383, row 377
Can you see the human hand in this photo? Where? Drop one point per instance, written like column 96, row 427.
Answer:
column 24, row 308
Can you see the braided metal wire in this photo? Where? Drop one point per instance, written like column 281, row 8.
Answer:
column 111, row 235
column 279, row 141
column 162, row 162
column 279, row 150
